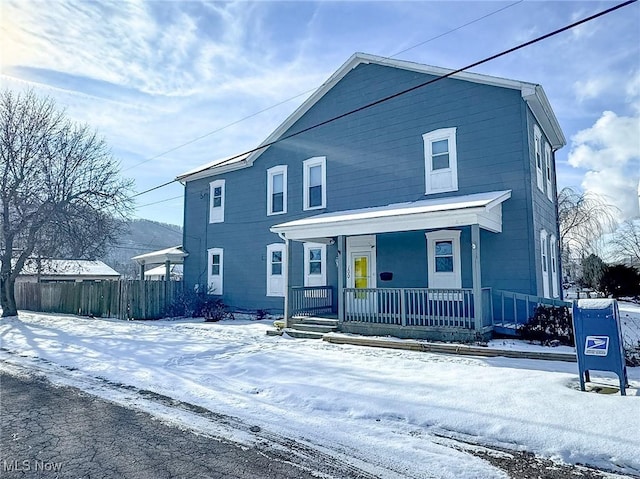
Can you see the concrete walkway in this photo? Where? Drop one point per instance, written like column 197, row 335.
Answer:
column 446, row 348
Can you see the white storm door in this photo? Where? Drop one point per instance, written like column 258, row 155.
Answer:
column 276, row 269
column 443, row 258
column 315, row 264
column 215, row 271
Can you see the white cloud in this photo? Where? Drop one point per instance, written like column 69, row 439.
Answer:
column 610, row 151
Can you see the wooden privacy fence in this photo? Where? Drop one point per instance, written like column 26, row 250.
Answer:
column 130, row 299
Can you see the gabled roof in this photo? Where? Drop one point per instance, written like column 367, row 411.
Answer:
column 532, row 93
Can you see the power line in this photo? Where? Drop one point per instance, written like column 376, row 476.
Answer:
column 161, row 201
column 457, row 28
column 217, row 130
column 416, row 87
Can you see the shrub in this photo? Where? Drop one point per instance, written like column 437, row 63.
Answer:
column 261, row 314
column 549, row 324
column 186, row 304
column 193, row 304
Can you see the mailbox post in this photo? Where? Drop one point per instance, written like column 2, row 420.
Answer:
column 596, row 325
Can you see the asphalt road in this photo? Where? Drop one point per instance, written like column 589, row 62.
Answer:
column 57, row 432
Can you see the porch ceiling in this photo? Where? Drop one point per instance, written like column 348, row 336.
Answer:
column 483, row 209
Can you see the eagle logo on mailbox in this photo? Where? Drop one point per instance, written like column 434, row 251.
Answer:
column 596, row 345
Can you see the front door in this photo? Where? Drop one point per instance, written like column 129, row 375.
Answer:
column 361, row 273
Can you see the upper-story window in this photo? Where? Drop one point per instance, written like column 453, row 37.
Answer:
column 537, row 148
column 441, row 161
column 216, row 201
column 277, row 190
column 547, row 162
column 315, row 183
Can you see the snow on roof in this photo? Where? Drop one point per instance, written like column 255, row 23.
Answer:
column 173, row 254
column 230, row 160
column 175, row 269
column 475, row 200
column 68, row 267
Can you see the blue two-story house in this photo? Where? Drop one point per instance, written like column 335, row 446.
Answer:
column 400, row 198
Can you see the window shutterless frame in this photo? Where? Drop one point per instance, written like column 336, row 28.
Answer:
column 440, row 161
column 314, row 183
column 216, row 201
column 277, row 190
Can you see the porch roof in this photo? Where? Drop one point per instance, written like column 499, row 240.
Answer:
column 484, row 209
column 174, row 255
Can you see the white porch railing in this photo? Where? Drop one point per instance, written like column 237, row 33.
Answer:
column 420, row 307
column 311, row 301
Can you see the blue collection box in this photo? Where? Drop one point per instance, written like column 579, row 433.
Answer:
column 596, row 324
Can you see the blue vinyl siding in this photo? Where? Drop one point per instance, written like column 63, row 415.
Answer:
column 375, row 157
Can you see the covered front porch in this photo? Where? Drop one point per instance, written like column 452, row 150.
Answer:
column 439, row 296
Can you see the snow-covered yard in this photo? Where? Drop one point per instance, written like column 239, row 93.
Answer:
column 390, row 411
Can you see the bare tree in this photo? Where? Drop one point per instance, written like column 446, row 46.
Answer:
column 584, row 218
column 60, row 189
column 625, row 243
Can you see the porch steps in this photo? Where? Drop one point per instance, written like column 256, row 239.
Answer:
column 305, row 327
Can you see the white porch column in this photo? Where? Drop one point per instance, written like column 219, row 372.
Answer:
column 342, row 255
column 477, row 275
column 287, row 275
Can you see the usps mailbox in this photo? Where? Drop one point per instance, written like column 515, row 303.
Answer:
column 596, row 324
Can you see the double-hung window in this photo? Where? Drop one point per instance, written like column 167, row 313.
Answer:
column 216, row 201
column 315, row 183
column 537, row 148
column 553, row 243
column 547, row 162
column 544, row 259
column 277, row 190
column 441, row 161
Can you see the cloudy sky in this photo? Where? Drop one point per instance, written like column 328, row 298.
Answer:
column 173, row 85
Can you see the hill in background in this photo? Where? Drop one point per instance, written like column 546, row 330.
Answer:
column 140, row 236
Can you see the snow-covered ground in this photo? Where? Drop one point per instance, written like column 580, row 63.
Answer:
column 390, row 411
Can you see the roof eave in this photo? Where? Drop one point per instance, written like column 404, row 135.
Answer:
column 542, row 111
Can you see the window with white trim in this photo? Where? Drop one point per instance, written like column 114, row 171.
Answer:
column 547, row 162
column 215, row 270
column 544, row 259
column 216, row 201
column 276, row 269
column 537, row 148
column 553, row 244
column 441, row 161
column 315, row 183
column 315, row 264
column 277, row 190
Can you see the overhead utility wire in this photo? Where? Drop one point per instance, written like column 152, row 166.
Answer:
column 217, row 130
column 421, row 85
